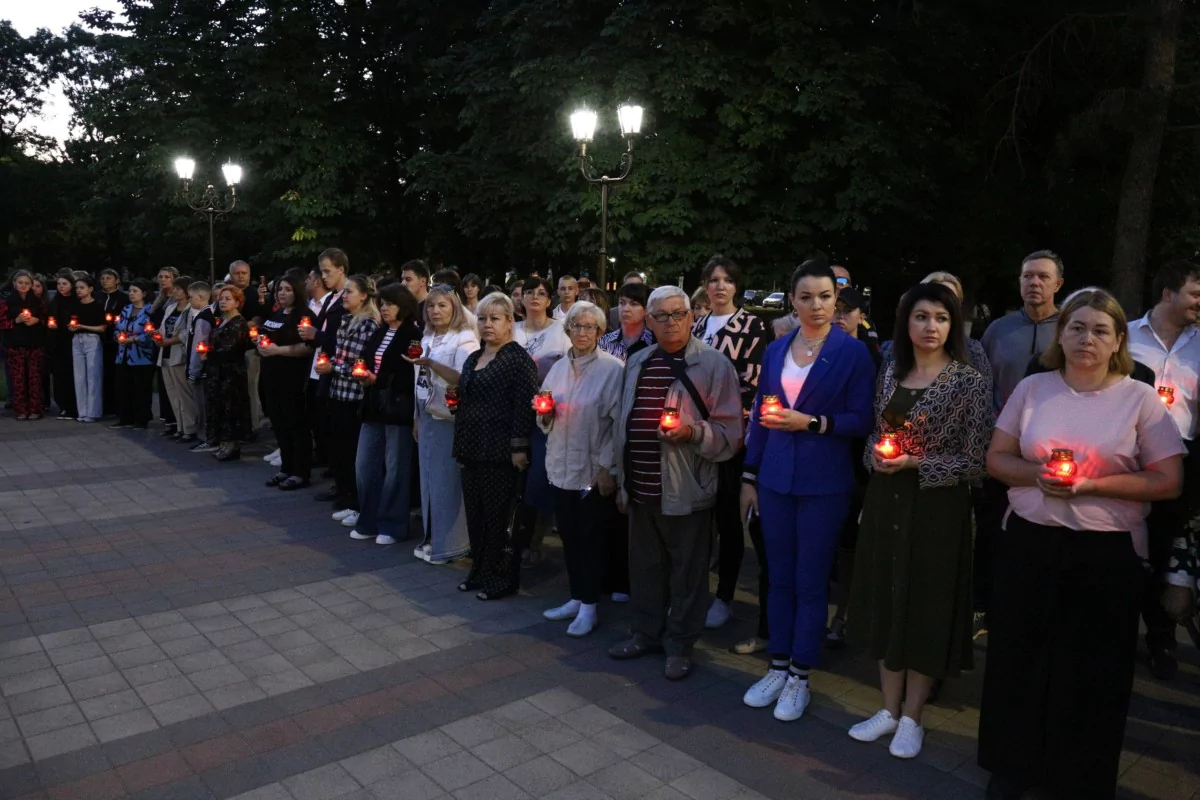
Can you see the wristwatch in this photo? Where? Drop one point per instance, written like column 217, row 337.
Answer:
column 814, row 425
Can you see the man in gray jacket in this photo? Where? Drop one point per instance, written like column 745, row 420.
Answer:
column 680, row 414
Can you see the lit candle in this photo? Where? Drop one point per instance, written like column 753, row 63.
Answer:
column 108, row 317
column 254, row 333
column 414, row 349
column 452, row 399
column 543, row 403
column 265, row 341
column 149, row 327
column 360, row 369
column 75, row 321
column 1167, row 395
column 122, row 338
column 52, row 324
column 670, row 419
column 26, row 314
column 771, row 404
column 202, row 347
column 157, row 337
column 322, row 359
column 306, row 322
column 888, row 446
column 1062, row 463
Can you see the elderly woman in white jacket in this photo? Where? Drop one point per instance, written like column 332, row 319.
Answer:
column 580, row 462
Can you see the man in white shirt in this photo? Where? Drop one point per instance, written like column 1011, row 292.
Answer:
column 1167, row 341
column 568, row 293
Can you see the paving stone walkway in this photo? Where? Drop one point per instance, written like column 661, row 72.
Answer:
column 169, row 628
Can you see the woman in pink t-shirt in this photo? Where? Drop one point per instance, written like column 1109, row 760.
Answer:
column 1084, row 450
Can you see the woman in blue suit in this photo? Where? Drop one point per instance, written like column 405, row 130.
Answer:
column 824, row 380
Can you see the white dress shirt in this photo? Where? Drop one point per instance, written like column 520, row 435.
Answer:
column 1178, row 368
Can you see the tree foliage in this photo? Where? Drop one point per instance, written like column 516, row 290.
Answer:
column 897, row 138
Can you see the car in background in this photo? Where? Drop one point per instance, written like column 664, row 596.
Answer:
column 775, row 300
column 753, row 297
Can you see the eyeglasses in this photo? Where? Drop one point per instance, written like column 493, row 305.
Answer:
column 580, row 327
column 663, row 317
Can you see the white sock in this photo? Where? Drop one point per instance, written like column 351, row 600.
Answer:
column 585, row 620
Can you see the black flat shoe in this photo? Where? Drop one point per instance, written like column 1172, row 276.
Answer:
column 293, row 483
column 170, row 431
column 228, row 455
column 327, row 496
column 277, row 479
column 468, row 586
column 191, row 438
column 498, row 595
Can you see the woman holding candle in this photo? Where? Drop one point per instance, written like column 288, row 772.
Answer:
column 62, row 306
column 385, row 441
column 134, row 362
column 87, row 326
column 358, row 324
column 286, row 360
column 25, row 344
column 1068, row 567
column 450, row 337
column 164, row 300
column 174, row 357
column 585, row 388
column 911, row 602
column 491, row 442
column 227, row 385
column 799, row 474
column 39, row 290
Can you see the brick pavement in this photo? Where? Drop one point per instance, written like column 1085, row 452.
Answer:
column 169, row 628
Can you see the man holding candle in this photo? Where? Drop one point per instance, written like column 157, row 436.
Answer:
column 321, row 335
column 1167, row 341
column 668, row 478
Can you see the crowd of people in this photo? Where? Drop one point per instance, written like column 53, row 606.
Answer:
column 1030, row 484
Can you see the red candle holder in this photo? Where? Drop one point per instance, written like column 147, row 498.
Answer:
column 771, row 404
column 888, row 446
column 148, row 327
column 201, row 347
column 543, row 403
column 670, row 419
column 1167, row 395
column 264, row 340
column 109, row 317
column 452, row 399
column 52, row 324
column 254, row 333
column 414, row 349
column 1062, row 464
column 360, row 369
column 74, row 320
column 26, row 314
column 122, row 338
column 306, row 322
column 157, row 337
column 322, row 359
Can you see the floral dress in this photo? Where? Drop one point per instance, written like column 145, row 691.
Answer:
column 227, row 386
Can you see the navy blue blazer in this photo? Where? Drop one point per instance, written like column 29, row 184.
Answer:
column 840, row 389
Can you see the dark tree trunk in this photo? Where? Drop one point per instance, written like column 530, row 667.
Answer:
column 1137, row 187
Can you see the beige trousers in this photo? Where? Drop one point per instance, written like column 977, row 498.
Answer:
column 183, row 400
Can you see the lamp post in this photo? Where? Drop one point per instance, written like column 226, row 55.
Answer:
column 583, row 127
column 210, row 203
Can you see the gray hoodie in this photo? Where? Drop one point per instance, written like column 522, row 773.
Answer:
column 1010, row 342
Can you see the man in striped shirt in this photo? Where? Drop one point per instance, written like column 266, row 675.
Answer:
column 667, row 474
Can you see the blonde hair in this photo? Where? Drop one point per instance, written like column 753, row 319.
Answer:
column 494, row 299
column 459, row 321
column 369, row 308
column 1121, row 361
column 947, row 278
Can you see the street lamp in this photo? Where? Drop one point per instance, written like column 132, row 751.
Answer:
column 583, row 128
column 210, row 203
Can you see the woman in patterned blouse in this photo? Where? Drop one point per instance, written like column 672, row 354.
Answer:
column 910, row 604
column 491, row 442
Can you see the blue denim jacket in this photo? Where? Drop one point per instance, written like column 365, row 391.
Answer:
column 138, row 350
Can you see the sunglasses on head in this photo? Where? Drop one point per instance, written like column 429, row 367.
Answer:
column 442, row 287
column 843, row 281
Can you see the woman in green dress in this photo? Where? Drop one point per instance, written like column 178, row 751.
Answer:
column 911, row 600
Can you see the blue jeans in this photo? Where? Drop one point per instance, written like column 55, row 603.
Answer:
column 382, row 466
column 87, row 357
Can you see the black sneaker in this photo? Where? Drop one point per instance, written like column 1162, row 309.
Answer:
column 170, row 431
column 65, row 415
column 117, row 426
column 1163, row 664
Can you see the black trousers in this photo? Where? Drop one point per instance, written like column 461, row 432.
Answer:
column 343, row 449
column 108, row 385
column 1062, row 640
column 990, row 503
column 616, row 541
column 490, row 494
column 318, row 422
column 64, row 378
column 580, row 525
column 288, row 413
column 764, row 580
column 1168, row 519
column 165, row 412
column 135, row 393
column 731, row 544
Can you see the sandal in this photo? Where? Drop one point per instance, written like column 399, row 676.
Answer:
column 279, row 478
column 468, row 586
column 497, row 595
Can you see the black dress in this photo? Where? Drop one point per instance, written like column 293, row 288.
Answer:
column 494, row 420
column 285, row 378
column 228, row 390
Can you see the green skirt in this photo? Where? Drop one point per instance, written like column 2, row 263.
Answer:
column 910, row 604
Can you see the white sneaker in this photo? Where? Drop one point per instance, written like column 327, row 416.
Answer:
column 276, row 462
column 585, row 622
column 422, row 551
column 350, row 520
column 620, row 597
column 383, row 538
column 767, row 690
column 357, row 535
column 718, row 614
column 272, row 455
column 341, row 515
column 567, row 610
column 793, row 701
column 871, row 729
column 908, row 739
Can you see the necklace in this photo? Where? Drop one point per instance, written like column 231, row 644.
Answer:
column 812, row 344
